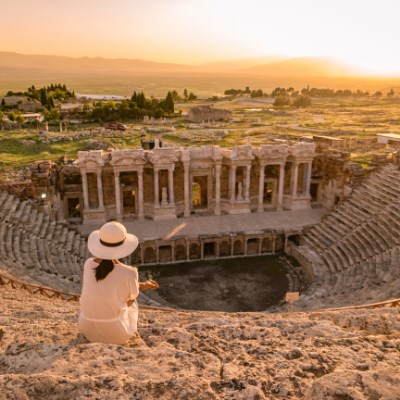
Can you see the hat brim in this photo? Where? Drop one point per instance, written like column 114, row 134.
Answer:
column 109, row 253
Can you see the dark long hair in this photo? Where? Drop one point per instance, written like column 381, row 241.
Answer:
column 103, row 269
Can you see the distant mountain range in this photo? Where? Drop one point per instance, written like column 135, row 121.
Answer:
column 14, row 64
column 15, row 61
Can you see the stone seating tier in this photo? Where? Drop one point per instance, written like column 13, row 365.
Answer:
column 32, row 245
column 357, row 245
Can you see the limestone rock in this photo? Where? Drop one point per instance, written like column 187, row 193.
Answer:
column 198, row 355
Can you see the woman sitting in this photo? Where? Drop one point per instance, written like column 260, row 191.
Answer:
column 108, row 306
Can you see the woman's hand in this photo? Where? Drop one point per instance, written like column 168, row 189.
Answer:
column 148, row 285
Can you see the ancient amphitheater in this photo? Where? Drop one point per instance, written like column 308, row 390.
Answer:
column 341, row 342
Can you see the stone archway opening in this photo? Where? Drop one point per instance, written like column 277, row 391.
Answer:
column 224, row 249
column 180, row 252
column 150, row 255
column 238, row 247
column 314, row 190
column 74, row 207
column 252, row 246
column 209, row 250
column 194, row 251
column 129, row 201
column 165, row 253
column 199, row 192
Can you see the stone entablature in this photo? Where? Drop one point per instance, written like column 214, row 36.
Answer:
column 168, row 183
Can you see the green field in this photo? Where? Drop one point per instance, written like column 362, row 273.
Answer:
column 352, row 119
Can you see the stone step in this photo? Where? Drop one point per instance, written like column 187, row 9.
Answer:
column 20, row 211
column 4, row 210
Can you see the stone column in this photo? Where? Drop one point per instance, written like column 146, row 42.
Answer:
column 100, row 190
column 217, row 210
column 247, row 191
column 173, row 252
column 187, row 250
column 171, row 186
column 295, row 177
column 307, row 178
column 85, row 191
column 281, row 186
column 210, row 190
column 260, row 207
column 142, row 254
column 156, row 189
column 260, row 246
column 140, row 189
column 232, row 183
column 186, row 185
column 117, row 195
column 273, row 243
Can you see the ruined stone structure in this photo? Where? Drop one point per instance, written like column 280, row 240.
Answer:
column 208, row 114
column 356, row 248
column 191, row 248
column 351, row 257
column 167, row 183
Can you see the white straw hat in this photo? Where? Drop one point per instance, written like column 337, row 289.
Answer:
column 112, row 241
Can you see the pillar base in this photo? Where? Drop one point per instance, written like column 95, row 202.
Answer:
column 97, row 216
column 298, row 202
column 237, row 207
column 164, row 212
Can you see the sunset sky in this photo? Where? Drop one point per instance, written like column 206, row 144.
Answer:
column 364, row 33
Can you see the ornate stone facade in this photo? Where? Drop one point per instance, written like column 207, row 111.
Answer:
column 168, row 183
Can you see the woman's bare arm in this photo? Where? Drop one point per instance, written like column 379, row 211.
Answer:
column 143, row 286
column 148, row 285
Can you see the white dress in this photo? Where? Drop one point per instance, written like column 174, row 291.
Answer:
column 105, row 316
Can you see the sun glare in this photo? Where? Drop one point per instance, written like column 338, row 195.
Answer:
column 361, row 33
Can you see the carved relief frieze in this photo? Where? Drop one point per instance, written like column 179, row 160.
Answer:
column 303, row 150
column 271, row 152
column 163, row 156
column 240, row 154
column 90, row 159
column 127, row 157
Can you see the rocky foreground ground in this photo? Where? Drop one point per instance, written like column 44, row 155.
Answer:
column 338, row 355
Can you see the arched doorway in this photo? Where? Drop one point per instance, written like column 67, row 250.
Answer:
column 199, row 193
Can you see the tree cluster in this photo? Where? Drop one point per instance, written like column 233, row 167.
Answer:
column 315, row 92
column 325, row 93
column 237, row 92
column 247, row 91
column 298, row 101
column 189, row 96
column 47, row 94
column 136, row 107
column 286, row 94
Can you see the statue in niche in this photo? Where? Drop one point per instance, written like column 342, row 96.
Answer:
column 164, row 197
column 240, row 191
